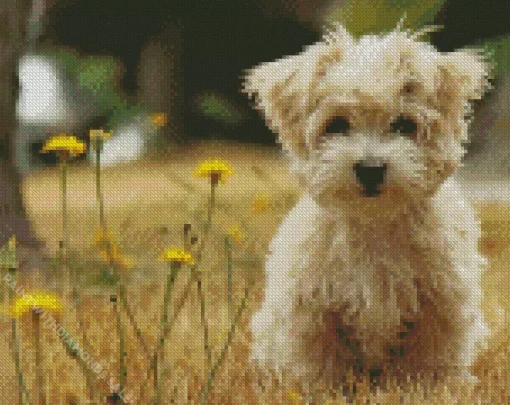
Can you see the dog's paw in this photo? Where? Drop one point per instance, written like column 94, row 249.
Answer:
column 465, row 377
column 260, row 357
column 264, row 373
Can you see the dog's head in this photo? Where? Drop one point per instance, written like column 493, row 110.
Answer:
column 378, row 120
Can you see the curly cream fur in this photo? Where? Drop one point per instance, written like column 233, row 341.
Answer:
column 391, row 281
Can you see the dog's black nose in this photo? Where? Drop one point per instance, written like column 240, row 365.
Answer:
column 370, row 176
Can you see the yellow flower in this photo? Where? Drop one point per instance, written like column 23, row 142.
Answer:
column 109, row 250
column 99, row 135
column 236, row 234
column 216, row 170
column 12, row 242
column 176, row 255
column 114, row 256
column 66, row 144
column 294, row 398
column 159, row 119
column 28, row 301
column 260, row 204
column 102, row 237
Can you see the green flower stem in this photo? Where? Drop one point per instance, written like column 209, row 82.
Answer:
column 99, row 194
column 17, row 361
column 15, row 347
column 86, row 345
column 207, row 226
column 132, row 321
column 160, row 353
column 228, row 248
column 210, row 208
column 207, row 229
column 203, row 319
column 185, row 238
column 98, row 146
column 224, row 351
column 120, row 329
column 87, row 372
column 39, row 372
column 65, row 240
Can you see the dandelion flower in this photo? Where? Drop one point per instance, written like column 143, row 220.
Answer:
column 109, row 250
column 159, row 119
column 102, row 238
column 113, row 255
column 216, row 170
column 29, row 301
column 12, row 242
column 293, row 398
column 66, row 145
column 176, row 255
column 260, row 204
column 236, row 234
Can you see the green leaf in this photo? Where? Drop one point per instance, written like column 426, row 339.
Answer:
column 8, row 257
column 95, row 76
column 97, row 73
column 124, row 111
column 67, row 58
column 499, row 51
column 362, row 17
column 106, row 278
column 219, row 108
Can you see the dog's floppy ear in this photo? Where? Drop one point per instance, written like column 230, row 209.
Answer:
column 284, row 89
column 463, row 77
column 466, row 73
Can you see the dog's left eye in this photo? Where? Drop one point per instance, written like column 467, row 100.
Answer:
column 337, row 125
column 404, row 126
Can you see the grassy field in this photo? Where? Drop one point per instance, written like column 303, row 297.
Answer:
column 147, row 203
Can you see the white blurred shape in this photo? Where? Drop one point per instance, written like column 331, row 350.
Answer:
column 128, row 142
column 42, row 98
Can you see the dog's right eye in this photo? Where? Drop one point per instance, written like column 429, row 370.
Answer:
column 404, row 126
column 337, row 125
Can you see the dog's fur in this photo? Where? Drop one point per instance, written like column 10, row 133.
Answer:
column 390, row 281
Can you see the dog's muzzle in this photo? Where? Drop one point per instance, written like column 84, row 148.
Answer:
column 370, row 176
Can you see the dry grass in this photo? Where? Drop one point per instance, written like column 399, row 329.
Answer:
column 141, row 200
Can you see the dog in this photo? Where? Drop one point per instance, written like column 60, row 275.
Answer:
column 376, row 268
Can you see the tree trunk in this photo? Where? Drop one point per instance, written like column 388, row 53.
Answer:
column 14, row 16
column 160, row 85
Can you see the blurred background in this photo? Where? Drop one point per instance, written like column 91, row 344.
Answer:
column 111, row 64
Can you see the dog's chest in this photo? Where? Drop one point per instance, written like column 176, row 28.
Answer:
column 384, row 249
column 360, row 269
column 370, row 249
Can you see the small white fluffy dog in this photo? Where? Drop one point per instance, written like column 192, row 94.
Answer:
column 376, row 267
